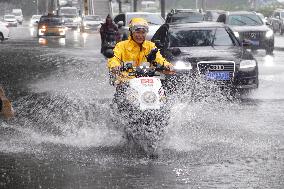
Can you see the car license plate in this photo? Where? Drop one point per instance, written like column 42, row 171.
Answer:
column 218, row 75
column 255, row 43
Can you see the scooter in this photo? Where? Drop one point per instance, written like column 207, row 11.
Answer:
column 141, row 101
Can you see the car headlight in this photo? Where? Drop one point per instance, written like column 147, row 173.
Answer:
column 180, row 65
column 62, row 31
column 248, row 64
column 237, row 35
column 269, row 34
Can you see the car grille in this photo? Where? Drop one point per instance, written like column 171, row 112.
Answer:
column 216, row 66
column 253, row 35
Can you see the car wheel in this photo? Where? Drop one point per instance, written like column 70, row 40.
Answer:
column 1, row 37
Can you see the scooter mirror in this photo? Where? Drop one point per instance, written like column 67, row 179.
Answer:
column 152, row 55
column 109, row 53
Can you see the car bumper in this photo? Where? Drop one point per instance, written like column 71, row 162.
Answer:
column 12, row 25
column 244, row 79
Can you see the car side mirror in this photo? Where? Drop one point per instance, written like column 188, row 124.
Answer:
column 176, row 51
column 109, row 53
column 267, row 23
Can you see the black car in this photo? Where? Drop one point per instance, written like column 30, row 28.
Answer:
column 249, row 27
column 184, row 16
column 207, row 50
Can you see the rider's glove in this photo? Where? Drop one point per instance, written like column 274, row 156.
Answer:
column 169, row 68
column 115, row 70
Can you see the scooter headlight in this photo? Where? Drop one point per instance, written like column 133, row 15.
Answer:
column 149, row 97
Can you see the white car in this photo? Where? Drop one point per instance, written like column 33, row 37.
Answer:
column 91, row 23
column 34, row 20
column 11, row 20
column 4, row 31
column 154, row 20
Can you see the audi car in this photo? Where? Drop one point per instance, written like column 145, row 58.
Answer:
column 249, row 27
column 207, row 51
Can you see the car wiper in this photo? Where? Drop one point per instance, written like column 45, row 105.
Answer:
column 240, row 21
column 252, row 19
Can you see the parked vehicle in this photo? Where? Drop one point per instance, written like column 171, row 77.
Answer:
column 277, row 21
column 247, row 26
column 206, row 51
column 91, row 23
column 51, row 25
column 10, row 20
column 154, row 20
column 4, row 31
column 19, row 15
column 184, row 16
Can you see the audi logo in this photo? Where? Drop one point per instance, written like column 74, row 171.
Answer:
column 216, row 67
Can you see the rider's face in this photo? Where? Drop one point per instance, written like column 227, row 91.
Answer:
column 139, row 36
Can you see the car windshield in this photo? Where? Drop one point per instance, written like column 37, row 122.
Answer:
column 9, row 17
column 200, row 37
column 51, row 20
column 187, row 17
column 92, row 18
column 36, row 16
column 155, row 19
column 245, row 20
column 17, row 14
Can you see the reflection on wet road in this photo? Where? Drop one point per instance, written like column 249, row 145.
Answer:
column 62, row 136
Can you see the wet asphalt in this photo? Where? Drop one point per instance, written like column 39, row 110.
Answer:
column 63, row 137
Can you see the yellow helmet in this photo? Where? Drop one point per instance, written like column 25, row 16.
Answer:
column 138, row 23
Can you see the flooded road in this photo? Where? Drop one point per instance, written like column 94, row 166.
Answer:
column 62, row 136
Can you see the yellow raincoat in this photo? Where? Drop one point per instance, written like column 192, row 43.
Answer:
column 130, row 51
